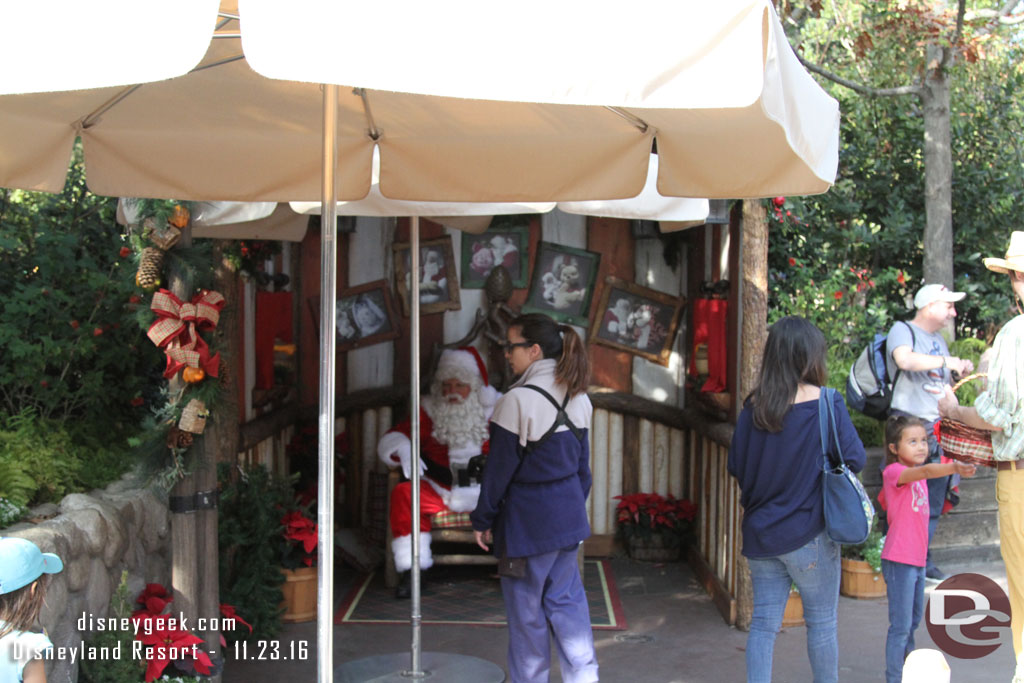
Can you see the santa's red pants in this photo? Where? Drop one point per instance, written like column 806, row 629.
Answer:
column 401, row 507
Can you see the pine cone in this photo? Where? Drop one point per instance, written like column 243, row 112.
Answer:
column 176, row 438
column 148, row 275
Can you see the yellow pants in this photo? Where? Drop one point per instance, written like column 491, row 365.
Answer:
column 1010, row 494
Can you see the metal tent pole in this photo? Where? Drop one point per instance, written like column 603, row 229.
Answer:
column 414, row 411
column 325, row 439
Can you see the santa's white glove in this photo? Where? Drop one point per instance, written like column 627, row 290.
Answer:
column 394, row 449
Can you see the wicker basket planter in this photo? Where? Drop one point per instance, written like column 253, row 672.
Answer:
column 859, row 580
column 794, row 614
column 299, row 595
column 653, row 548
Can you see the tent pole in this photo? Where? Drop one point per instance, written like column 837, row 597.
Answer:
column 414, row 421
column 325, row 440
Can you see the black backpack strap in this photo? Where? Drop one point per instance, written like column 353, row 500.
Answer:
column 560, row 419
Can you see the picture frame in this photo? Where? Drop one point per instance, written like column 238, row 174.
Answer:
column 439, row 281
column 637, row 319
column 562, row 284
column 364, row 315
column 507, row 245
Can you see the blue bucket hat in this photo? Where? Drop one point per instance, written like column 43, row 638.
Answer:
column 21, row 563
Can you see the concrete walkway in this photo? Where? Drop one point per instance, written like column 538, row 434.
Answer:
column 675, row 635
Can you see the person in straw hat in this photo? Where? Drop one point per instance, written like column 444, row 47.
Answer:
column 1000, row 408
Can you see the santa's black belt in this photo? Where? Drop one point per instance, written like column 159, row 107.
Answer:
column 547, row 482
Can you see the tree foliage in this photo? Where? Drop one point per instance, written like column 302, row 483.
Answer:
column 72, row 347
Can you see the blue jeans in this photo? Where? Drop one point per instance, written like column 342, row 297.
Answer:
column 814, row 569
column 905, row 586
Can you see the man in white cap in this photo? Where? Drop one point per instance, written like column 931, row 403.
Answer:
column 918, row 349
column 1000, row 408
column 453, row 429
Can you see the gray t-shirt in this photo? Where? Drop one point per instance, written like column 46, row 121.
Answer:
column 918, row 393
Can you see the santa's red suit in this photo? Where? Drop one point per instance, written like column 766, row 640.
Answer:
column 439, row 462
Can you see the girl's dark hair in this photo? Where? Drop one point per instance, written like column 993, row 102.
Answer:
column 561, row 342
column 19, row 609
column 894, row 428
column 794, row 353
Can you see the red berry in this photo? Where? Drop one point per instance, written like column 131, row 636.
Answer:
column 43, row 383
column 97, row 331
column 46, row 292
column 74, row 324
column 134, row 299
column 125, row 251
column 779, row 201
column 137, row 401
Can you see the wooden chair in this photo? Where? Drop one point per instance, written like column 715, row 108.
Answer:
column 446, row 527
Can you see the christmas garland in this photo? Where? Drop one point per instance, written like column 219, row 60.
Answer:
column 179, row 328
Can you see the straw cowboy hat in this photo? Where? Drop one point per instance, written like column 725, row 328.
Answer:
column 1014, row 256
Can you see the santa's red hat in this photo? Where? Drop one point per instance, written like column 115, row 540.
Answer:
column 466, row 365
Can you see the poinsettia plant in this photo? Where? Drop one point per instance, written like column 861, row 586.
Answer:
column 652, row 514
column 300, row 536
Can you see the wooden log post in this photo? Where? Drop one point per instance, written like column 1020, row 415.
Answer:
column 754, row 293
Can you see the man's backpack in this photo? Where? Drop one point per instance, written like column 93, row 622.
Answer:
column 868, row 389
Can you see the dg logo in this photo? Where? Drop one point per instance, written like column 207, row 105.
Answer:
column 966, row 616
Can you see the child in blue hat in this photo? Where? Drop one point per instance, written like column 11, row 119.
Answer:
column 22, row 587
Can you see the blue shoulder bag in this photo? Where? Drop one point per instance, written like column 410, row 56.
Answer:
column 848, row 510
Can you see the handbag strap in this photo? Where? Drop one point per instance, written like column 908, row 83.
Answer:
column 826, row 419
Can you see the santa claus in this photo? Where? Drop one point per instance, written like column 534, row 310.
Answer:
column 453, row 429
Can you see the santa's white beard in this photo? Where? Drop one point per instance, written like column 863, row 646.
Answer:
column 459, row 424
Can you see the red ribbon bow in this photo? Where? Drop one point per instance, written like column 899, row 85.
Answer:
column 177, row 327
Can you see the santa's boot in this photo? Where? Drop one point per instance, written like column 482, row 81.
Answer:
column 402, row 549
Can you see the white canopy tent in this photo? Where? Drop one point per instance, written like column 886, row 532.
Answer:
column 475, row 116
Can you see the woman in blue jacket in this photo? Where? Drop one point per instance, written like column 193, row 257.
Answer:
column 777, row 460
column 532, row 503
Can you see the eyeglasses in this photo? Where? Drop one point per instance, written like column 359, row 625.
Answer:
column 508, row 346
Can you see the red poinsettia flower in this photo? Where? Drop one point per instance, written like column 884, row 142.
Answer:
column 163, row 641
column 228, row 612
column 298, row 527
column 153, row 600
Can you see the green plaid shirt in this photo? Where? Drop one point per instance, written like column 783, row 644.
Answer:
column 1002, row 403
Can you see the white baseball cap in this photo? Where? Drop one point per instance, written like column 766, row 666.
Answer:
column 929, row 294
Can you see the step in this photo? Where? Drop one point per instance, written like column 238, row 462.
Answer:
column 966, row 528
column 970, row 555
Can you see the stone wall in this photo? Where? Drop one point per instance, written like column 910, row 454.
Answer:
column 97, row 536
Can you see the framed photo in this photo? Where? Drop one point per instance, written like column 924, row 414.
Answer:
column 562, row 283
column 439, row 281
column 500, row 246
column 364, row 315
column 637, row 319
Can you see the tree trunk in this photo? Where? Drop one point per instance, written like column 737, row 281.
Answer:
column 938, row 173
column 754, row 269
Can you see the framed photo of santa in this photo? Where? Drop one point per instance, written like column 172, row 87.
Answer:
column 500, row 246
column 439, row 281
column 637, row 319
column 563, row 283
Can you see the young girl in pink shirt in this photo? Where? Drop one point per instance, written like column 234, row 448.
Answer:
column 906, row 544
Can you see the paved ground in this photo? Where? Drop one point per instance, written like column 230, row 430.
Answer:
column 675, row 635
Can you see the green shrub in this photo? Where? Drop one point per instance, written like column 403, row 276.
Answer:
column 43, row 460
column 252, row 504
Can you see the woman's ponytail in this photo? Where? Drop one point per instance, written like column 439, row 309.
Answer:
column 573, row 368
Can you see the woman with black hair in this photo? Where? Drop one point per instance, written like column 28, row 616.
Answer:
column 777, row 460
column 532, row 503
